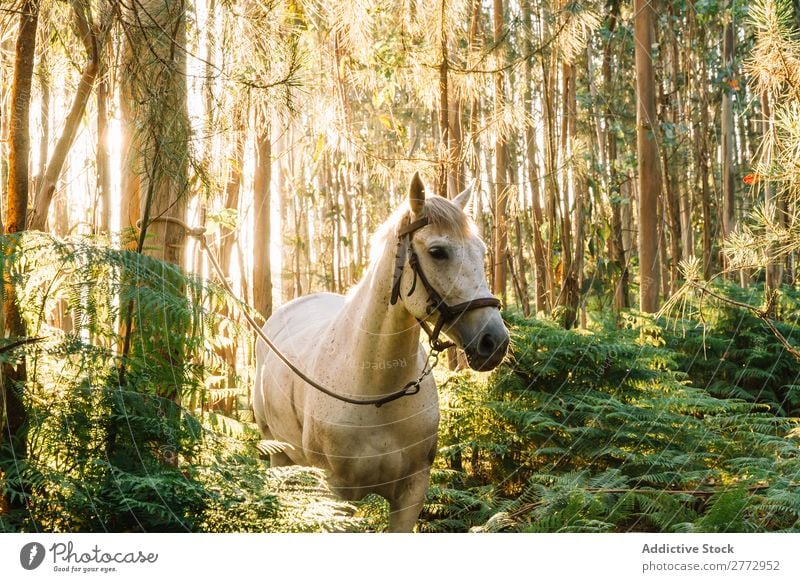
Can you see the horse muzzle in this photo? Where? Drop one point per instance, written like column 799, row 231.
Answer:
column 487, row 348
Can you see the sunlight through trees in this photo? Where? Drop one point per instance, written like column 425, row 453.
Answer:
column 635, row 170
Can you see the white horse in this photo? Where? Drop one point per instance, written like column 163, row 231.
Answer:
column 427, row 266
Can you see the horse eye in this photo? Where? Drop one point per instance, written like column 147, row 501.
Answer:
column 437, row 253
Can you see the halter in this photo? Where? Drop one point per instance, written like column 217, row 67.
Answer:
column 447, row 313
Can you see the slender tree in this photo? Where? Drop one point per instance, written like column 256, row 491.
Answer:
column 14, row 376
column 727, row 145
column 621, row 298
column 501, row 162
column 649, row 178
column 156, row 173
column 445, row 133
column 262, row 263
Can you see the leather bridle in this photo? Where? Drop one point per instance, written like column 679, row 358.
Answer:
column 447, row 313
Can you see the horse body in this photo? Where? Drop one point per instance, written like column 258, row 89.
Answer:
column 364, row 345
column 364, row 449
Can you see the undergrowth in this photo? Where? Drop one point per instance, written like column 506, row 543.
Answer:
column 624, row 429
column 686, row 423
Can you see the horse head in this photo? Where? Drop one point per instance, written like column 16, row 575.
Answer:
column 443, row 281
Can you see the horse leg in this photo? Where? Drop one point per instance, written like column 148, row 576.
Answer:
column 279, row 460
column 404, row 507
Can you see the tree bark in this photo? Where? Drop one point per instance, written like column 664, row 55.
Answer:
column 262, row 264
column 728, row 146
column 774, row 269
column 154, row 64
column 670, row 206
column 649, row 179
column 456, row 180
column 621, row 300
column 103, row 157
column 444, row 108
column 501, row 162
column 348, row 240
column 541, row 270
column 703, row 158
column 14, row 377
column 568, row 295
column 523, row 281
column 551, row 187
column 44, row 113
column 233, row 187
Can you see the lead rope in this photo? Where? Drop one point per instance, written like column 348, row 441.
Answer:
column 409, row 389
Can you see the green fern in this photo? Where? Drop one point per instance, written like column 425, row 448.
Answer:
column 604, row 431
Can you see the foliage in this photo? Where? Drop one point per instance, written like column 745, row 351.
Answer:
column 731, row 353
column 670, row 425
column 603, row 431
column 109, row 451
column 771, row 232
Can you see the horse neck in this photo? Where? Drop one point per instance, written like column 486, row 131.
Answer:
column 383, row 338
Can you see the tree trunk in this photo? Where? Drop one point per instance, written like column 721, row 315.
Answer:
column 350, row 227
column 444, row 108
column 581, row 201
column 233, row 187
column 501, row 187
column 103, row 158
column 568, row 295
column 228, row 239
column 703, row 159
column 284, row 205
column 551, row 188
column 456, row 180
column 474, row 119
column 14, row 378
column 166, row 123
column 541, row 270
column 621, row 300
column 44, row 113
column 523, row 281
column 774, row 270
column 154, row 64
column 671, row 210
column 262, row 265
column 686, row 193
column 728, row 189
column 671, row 152
column 648, row 164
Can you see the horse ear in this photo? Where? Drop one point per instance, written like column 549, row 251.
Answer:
column 463, row 199
column 416, row 194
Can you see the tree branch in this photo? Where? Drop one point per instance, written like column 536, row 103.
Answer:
column 92, row 38
column 762, row 314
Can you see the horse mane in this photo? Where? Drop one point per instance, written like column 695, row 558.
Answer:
column 440, row 212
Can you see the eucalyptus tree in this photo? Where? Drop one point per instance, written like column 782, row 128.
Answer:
column 156, row 162
column 649, row 178
column 500, row 255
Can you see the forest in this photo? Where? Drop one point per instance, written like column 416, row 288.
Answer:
column 636, row 183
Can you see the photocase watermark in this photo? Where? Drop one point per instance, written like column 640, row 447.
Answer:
column 31, row 555
column 65, row 557
column 382, row 364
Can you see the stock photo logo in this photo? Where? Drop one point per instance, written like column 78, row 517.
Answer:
column 67, row 557
column 32, row 555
